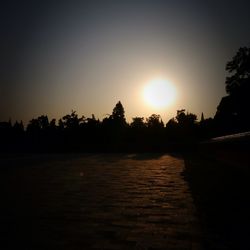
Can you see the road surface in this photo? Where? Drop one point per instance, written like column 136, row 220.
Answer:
column 105, row 201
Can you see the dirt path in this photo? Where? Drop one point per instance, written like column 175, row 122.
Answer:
column 98, row 202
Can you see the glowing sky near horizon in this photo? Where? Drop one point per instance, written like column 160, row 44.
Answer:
column 88, row 55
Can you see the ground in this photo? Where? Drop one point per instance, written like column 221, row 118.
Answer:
column 218, row 176
column 104, row 201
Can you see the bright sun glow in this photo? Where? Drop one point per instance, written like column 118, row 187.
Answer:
column 159, row 93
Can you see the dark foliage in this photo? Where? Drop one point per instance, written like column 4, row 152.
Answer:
column 239, row 68
column 114, row 133
column 233, row 111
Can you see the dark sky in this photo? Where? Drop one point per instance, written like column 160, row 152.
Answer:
column 87, row 55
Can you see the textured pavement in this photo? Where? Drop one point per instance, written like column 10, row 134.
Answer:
column 104, row 201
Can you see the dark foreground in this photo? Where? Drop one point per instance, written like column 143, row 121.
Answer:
column 219, row 178
column 121, row 201
column 96, row 202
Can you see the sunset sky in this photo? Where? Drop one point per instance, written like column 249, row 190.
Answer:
column 88, row 55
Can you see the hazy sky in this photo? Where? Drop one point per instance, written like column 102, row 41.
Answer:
column 88, row 55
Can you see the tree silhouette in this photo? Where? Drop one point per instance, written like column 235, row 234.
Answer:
column 172, row 130
column 38, row 124
column 202, row 117
column 118, row 115
column 92, row 122
column 5, row 129
column 185, row 120
column 52, row 124
column 154, row 122
column 74, row 133
column 233, row 111
column 182, row 127
column 239, row 67
column 71, row 121
column 18, row 127
column 172, row 124
column 138, row 123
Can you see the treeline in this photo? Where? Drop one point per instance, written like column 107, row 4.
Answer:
column 113, row 133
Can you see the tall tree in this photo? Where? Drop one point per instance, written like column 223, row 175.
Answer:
column 233, row 111
column 118, row 112
column 239, row 68
column 118, row 115
column 202, row 117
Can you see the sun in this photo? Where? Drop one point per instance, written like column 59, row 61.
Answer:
column 159, row 93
